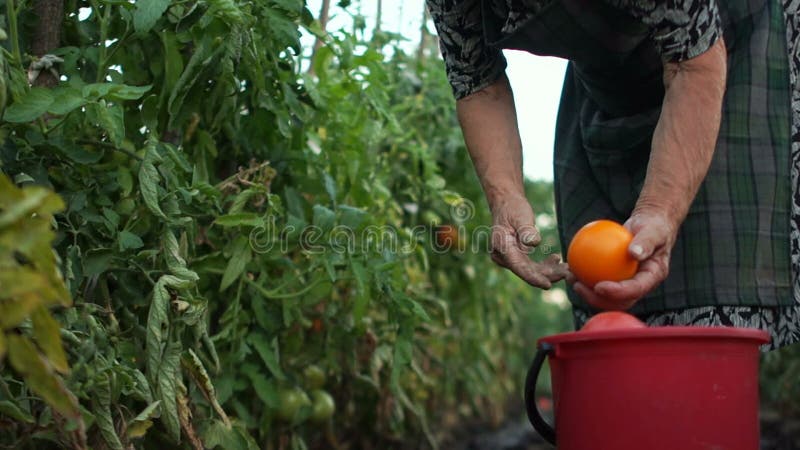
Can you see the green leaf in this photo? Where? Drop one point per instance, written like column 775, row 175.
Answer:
column 147, row 13
column 198, row 372
column 241, row 254
column 9, row 409
column 81, row 154
column 201, row 59
column 403, row 349
column 125, row 180
column 361, row 301
column 47, row 333
column 217, row 434
column 168, row 381
column 149, row 180
column 139, row 428
column 110, row 118
column 148, row 412
column 35, row 103
column 128, row 240
column 293, row 6
column 35, row 199
column 330, row 186
column 122, row 92
column 351, row 217
column 96, row 91
column 324, row 218
column 39, row 376
column 101, row 402
column 3, row 346
column 173, row 61
column 268, row 353
column 265, row 389
column 66, row 99
column 97, row 261
column 435, row 182
column 240, row 219
column 139, row 425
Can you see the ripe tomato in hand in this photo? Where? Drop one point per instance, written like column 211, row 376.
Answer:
column 599, row 252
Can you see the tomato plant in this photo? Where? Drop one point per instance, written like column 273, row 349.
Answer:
column 212, row 186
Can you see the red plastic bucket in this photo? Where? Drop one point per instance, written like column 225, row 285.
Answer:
column 660, row 388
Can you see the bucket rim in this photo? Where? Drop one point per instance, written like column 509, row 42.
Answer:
column 660, row 332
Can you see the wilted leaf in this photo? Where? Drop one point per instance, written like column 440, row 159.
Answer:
column 39, row 375
column 168, row 379
column 198, row 372
column 148, row 182
column 102, row 412
column 35, row 199
column 47, row 333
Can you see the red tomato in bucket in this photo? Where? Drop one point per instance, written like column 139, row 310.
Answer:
column 612, row 320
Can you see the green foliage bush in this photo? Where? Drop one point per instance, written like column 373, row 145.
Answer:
column 180, row 134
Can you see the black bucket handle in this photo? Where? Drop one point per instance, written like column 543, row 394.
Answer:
column 535, row 417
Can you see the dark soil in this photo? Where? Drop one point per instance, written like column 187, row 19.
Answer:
column 777, row 433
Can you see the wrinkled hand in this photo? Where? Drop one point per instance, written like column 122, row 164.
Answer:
column 514, row 236
column 653, row 238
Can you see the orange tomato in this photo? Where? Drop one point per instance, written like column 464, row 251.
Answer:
column 599, row 252
column 447, row 237
column 612, row 320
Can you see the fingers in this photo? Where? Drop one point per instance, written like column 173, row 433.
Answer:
column 528, row 235
column 600, row 302
column 506, row 253
column 650, row 233
column 624, row 294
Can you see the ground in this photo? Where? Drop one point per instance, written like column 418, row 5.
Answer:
column 777, row 433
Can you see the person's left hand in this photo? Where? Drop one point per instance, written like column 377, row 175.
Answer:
column 654, row 235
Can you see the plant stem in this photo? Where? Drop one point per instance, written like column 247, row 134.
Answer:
column 110, row 147
column 13, row 31
column 101, row 56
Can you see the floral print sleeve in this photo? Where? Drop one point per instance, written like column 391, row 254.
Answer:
column 471, row 65
column 682, row 29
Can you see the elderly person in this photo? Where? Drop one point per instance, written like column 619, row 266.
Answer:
column 679, row 118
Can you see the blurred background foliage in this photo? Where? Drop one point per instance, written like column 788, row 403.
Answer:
column 185, row 138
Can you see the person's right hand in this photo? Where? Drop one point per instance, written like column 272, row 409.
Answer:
column 514, row 236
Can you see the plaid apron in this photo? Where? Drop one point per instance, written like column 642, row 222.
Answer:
column 733, row 249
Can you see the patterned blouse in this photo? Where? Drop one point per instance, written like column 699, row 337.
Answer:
column 681, row 29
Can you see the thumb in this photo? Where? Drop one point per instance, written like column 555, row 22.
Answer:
column 645, row 242
column 529, row 235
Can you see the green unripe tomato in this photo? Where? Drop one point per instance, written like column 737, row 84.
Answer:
column 314, row 377
column 291, row 401
column 125, row 206
column 323, row 407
